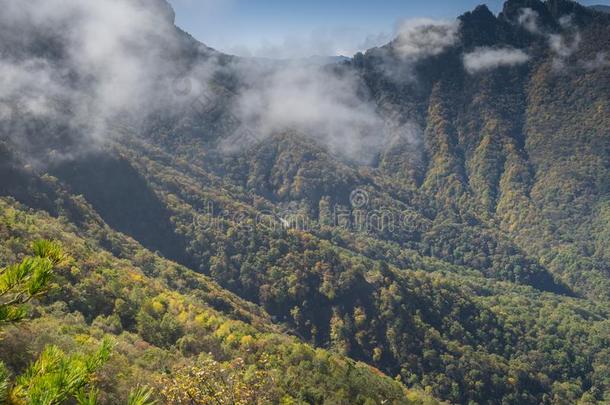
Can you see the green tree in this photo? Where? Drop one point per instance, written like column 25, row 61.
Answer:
column 20, row 283
column 55, row 377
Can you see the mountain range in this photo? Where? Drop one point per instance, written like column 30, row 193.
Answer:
column 427, row 221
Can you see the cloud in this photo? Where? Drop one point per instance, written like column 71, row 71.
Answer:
column 316, row 102
column 563, row 45
column 483, row 59
column 331, row 105
column 601, row 61
column 72, row 73
column 528, row 19
column 420, row 38
column 69, row 69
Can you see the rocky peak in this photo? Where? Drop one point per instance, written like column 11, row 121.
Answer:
column 513, row 10
column 480, row 27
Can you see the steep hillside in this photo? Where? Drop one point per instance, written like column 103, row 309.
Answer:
column 166, row 319
column 525, row 147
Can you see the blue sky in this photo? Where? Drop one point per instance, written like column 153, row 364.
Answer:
column 292, row 28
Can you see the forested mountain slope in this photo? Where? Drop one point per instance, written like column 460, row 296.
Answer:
column 443, row 217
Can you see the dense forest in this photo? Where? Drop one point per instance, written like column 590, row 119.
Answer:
column 458, row 252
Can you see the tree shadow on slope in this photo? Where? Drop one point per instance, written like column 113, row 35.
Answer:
column 125, row 201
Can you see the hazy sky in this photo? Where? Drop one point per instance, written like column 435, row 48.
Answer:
column 293, row 28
